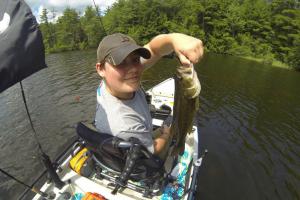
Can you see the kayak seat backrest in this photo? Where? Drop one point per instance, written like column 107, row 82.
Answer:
column 104, row 148
column 91, row 135
column 101, row 144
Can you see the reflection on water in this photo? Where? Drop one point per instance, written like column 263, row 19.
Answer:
column 248, row 118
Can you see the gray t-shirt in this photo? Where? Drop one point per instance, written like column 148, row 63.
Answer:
column 124, row 118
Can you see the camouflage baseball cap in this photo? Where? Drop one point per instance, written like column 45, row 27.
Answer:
column 117, row 47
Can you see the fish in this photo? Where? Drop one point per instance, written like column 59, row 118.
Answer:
column 186, row 105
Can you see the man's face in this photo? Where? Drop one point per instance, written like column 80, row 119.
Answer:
column 124, row 79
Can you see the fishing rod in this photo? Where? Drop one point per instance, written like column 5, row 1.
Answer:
column 44, row 157
column 33, row 189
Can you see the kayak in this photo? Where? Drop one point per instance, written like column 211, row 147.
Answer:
column 101, row 172
column 93, row 165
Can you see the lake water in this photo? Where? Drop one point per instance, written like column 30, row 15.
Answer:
column 249, row 121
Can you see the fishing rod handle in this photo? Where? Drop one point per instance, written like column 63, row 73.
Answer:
column 43, row 194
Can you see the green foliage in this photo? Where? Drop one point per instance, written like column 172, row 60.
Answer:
column 294, row 55
column 267, row 30
column 44, row 16
column 286, row 25
column 69, row 30
column 91, row 25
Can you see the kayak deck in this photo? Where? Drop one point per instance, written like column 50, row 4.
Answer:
column 178, row 174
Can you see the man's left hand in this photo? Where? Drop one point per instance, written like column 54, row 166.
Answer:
column 188, row 49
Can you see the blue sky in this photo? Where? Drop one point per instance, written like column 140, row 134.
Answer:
column 59, row 5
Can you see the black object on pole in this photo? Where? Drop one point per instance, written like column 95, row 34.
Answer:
column 22, row 50
column 22, row 53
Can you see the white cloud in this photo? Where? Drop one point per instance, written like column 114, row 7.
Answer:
column 59, row 5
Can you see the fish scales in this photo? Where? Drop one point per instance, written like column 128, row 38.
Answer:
column 186, row 104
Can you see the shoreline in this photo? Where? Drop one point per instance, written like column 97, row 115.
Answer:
column 274, row 63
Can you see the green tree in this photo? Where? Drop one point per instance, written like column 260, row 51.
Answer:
column 47, row 29
column 286, row 25
column 92, row 27
column 258, row 28
column 69, row 31
column 44, row 16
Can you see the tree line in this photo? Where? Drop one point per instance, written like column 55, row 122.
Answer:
column 264, row 29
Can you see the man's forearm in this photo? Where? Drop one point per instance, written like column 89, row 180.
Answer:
column 188, row 49
column 159, row 46
column 160, row 143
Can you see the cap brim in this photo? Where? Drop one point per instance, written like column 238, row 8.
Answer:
column 120, row 53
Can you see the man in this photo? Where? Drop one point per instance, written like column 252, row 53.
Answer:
column 122, row 109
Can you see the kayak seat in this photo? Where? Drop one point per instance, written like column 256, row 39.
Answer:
column 100, row 144
column 127, row 159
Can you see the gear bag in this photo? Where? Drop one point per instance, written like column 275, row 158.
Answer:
column 82, row 163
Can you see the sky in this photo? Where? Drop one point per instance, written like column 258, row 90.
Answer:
column 59, row 5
